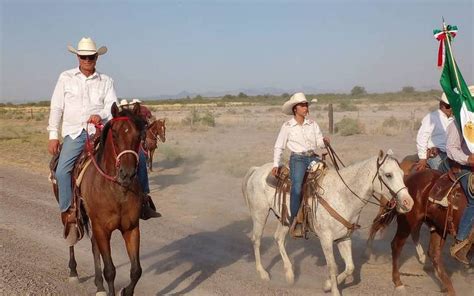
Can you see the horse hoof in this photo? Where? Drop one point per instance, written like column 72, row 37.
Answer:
column 101, row 293
column 400, row 290
column 422, row 259
column 290, row 278
column 73, row 279
column 122, row 291
column 264, row 275
column 327, row 286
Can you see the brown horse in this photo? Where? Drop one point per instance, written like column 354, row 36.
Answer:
column 156, row 132
column 420, row 185
column 110, row 193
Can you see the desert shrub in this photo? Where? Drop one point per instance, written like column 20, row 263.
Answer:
column 347, row 106
column 349, row 126
column 172, row 154
column 208, row 119
column 392, row 122
column 383, row 107
column 220, row 104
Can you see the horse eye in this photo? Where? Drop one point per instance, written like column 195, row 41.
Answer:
column 388, row 175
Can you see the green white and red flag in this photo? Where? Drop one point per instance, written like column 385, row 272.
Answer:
column 454, row 86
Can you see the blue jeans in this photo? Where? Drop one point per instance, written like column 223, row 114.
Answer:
column 142, row 172
column 439, row 162
column 298, row 167
column 467, row 218
column 69, row 153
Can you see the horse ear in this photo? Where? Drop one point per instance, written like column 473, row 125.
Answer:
column 381, row 154
column 136, row 108
column 114, row 110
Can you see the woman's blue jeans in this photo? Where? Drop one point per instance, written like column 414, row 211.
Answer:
column 298, row 166
column 142, row 172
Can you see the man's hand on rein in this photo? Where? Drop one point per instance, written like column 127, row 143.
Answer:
column 94, row 119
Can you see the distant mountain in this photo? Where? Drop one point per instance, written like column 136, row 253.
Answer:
column 247, row 91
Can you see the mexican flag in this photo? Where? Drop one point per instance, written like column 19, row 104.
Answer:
column 454, row 86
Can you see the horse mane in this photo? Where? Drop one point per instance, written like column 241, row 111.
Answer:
column 137, row 120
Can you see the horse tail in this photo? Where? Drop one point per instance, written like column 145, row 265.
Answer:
column 245, row 184
column 381, row 221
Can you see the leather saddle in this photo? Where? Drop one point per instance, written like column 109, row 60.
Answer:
column 73, row 218
column 446, row 191
column 282, row 185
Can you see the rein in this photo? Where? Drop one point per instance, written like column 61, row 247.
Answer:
column 334, row 158
column 90, row 152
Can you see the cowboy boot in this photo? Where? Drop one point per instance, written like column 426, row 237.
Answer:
column 148, row 209
column 68, row 217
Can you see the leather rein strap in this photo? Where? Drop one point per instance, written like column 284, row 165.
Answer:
column 90, row 152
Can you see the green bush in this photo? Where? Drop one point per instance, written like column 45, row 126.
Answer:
column 349, row 126
column 347, row 106
column 208, row 119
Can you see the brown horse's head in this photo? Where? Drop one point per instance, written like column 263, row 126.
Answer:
column 157, row 130
column 120, row 143
column 390, row 177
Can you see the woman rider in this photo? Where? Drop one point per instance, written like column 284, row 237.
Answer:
column 301, row 136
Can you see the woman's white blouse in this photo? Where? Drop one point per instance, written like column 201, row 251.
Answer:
column 298, row 138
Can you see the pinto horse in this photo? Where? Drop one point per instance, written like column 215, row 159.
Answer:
column 419, row 185
column 155, row 132
column 110, row 193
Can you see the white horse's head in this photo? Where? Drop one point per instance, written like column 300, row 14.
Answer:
column 388, row 181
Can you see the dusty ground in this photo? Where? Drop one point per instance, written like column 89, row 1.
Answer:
column 201, row 246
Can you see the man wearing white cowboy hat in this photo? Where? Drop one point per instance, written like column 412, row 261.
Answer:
column 81, row 96
column 431, row 138
column 301, row 136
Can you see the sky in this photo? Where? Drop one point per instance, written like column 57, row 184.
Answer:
column 166, row 47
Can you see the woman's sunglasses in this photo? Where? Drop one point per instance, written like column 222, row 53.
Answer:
column 88, row 57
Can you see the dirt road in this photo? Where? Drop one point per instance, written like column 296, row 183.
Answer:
column 201, row 246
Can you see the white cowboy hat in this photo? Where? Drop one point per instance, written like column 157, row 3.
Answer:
column 134, row 101
column 295, row 99
column 123, row 102
column 443, row 99
column 86, row 46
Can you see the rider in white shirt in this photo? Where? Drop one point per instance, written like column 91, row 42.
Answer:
column 431, row 138
column 301, row 136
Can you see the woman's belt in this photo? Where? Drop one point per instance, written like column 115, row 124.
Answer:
column 305, row 153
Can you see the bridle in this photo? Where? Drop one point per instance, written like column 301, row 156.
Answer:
column 157, row 136
column 90, row 152
column 390, row 205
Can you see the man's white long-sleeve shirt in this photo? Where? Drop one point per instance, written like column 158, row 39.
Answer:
column 456, row 148
column 432, row 132
column 77, row 97
column 298, row 138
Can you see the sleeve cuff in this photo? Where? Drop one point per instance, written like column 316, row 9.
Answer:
column 53, row 135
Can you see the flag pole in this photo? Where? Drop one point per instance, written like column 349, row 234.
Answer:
column 448, row 36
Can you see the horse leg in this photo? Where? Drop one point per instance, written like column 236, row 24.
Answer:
column 99, row 281
column 103, row 242
column 415, row 235
column 436, row 246
column 150, row 159
column 397, row 245
column 345, row 249
column 132, row 242
column 328, row 249
column 280, row 237
column 72, row 266
column 259, row 219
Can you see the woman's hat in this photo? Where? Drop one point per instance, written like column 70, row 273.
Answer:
column 134, row 101
column 86, row 46
column 295, row 99
column 123, row 102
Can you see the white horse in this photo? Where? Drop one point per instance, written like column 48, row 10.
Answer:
column 379, row 176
